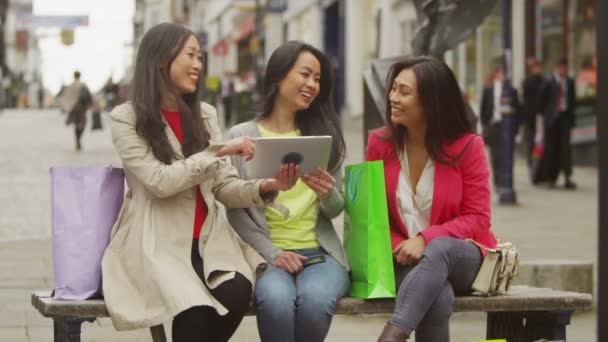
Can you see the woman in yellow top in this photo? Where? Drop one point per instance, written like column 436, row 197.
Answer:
column 296, row 296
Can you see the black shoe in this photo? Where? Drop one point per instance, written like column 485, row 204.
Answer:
column 570, row 185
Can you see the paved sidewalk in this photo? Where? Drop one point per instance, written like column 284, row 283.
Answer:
column 546, row 225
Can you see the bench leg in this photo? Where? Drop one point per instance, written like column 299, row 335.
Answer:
column 68, row 329
column 548, row 324
column 506, row 325
column 528, row 326
column 158, row 333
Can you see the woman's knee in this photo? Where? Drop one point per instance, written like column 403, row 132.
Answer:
column 235, row 294
column 275, row 291
column 320, row 297
column 440, row 248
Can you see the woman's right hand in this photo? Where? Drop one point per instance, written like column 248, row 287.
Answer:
column 289, row 261
column 241, row 146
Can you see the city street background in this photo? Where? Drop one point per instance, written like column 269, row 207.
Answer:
column 555, row 225
column 43, row 41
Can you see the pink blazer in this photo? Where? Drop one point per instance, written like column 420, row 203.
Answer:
column 461, row 196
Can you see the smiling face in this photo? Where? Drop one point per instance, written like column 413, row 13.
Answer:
column 186, row 67
column 301, row 85
column 404, row 102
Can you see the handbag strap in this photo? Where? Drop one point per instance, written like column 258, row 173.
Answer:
column 481, row 246
column 500, row 245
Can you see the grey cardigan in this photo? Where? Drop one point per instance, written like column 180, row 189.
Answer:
column 251, row 224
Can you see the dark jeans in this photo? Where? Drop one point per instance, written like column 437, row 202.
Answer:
column 558, row 152
column 227, row 102
column 495, row 141
column 426, row 291
column 203, row 323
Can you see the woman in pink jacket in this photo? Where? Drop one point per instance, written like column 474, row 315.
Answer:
column 437, row 183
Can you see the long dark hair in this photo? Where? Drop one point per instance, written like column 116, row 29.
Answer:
column 442, row 104
column 320, row 117
column 158, row 49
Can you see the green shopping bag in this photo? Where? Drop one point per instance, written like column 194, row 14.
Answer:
column 366, row 232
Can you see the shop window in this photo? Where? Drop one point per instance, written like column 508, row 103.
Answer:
column 550, row 19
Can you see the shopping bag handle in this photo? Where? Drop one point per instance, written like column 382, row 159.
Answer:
column 353, row 182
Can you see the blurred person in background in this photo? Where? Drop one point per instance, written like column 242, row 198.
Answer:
column 557, row 103
column 75, row 100
column 532, row 85
column 493, row 106
column 226, row 92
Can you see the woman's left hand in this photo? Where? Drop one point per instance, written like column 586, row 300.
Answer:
column 284, row 180
column 322, row 185
column 410, row 251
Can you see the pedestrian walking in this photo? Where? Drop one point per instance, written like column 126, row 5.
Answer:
column 308, row 272
column 76, row 100
column 173, row 254
column 557, row 102
column 438, row 195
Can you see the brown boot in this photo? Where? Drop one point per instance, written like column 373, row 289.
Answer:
column 392, row 333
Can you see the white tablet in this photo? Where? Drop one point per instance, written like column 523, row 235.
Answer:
column 306, row 151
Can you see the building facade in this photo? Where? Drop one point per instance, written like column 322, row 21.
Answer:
column 239, row 36
column 21, row 77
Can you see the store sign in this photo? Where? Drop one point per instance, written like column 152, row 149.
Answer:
column 254, row 45
column 220, row 48
column 22, row 38
column 276, row 6
column 23, row 15
column 67, row 37
column 49, row 21
column 244, row 29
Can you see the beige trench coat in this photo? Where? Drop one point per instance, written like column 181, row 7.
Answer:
column 148, row 276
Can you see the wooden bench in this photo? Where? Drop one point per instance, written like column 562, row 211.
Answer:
column 524, row 314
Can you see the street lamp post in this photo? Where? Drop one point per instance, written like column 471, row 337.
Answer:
column 257, row 49
column 508, row 110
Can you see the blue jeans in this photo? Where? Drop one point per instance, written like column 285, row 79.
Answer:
column 426, row 291
column 298, row 308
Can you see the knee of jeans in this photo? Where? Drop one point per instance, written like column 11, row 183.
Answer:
column 274, row 293
column 438, row 249
column 314, row 301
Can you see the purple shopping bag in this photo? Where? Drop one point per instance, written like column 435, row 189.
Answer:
column 85, row 202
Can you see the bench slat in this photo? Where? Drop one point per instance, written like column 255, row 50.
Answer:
column 519, row 298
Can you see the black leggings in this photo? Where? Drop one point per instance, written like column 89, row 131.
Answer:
column 203, row 323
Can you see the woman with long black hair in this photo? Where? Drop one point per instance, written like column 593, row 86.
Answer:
column 173, row 254
column 296, row 296
column 438, row 195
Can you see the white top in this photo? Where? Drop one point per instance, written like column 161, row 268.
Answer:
column 415, row 208
column 497, row 115
column 561, row 82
